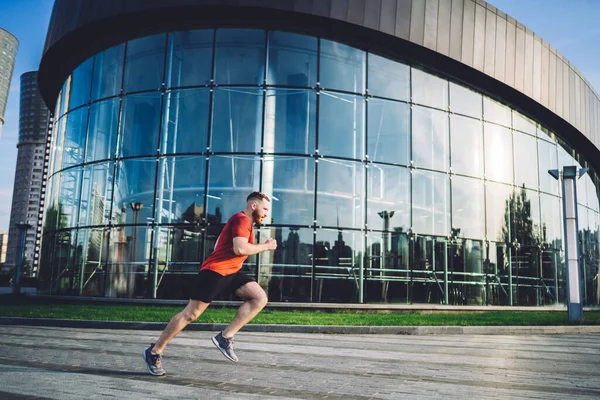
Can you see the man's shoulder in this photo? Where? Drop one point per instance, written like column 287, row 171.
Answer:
column 240, row 217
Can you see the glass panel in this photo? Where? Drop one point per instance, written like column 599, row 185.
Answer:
column 292, row 59
column 286, row 273
column 428, row 263
column 341, row 125
column 129, row 252
column 68, row 197
column 465, row 101
column 429, row 90
column 96, row 194
column 144, row 63
column 496, row 112
column 340, row 194
column 134, row 191
column 290, row 121
column 338, row 261
column 388, row 198
column 108, row 72
column 81, row 81
column 498, row 211
column 102, row 130
column 237, row 116
column 139, row 124
column 466, row 279
column 342, row 67
column 290, row 184
column 189, row 60
column 62, row 261
column 92, row 262
column 74, row 143
column 547, row 161
column 389, row 132
column 231, row 179
column 468, row 212
column 240, row 56
column 525, row 228
column 498, row 153
column 430, row 139
column 523, row 124
column 564, row 158
column 430, row 203
column 526, row 164
column 551, row 221
column 186, row 120
column 388, row 78
column 467, row 146
column 58, row 145
column 182, row 197
column 386, row 273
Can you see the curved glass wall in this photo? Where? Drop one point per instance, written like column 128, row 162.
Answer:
column 389, row 183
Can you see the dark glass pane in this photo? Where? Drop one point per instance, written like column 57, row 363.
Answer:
column 386, row 272
column 388, row 198
column 388, row 78
column 429, row 90
column 340, row 194
column 286, row 273
column 465, row 101
column 342, row 67
column 341, row 125
column 526, row 164
column 189, row 61
column 525, row 221
column 74, row 144
column 467, row 146
column 430, row 139
column 96, row 194
column 231, row 179
column 240, row 56
column 290, row 121
column 338, row 261
column 186, row 120
column 496, row 112
column 290, row 181
column 388, row 133
column 102, row 130
column 139, row 124
column 498, row 153
column 93, row 246
column 468, row 212
column 127, row 259
column 108, row 72
column 81, row 81
column 292, row 59
column 69, row 185
column 547, row 160
column 180, row 189
column 498, row 211
column 144, row 63
column 430, row 203
column 133, row 199
column 237, row 116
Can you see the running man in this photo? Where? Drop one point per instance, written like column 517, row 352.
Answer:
column 220, row 272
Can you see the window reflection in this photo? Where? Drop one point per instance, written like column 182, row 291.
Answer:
column 523, row 124
column 102, row 130
column 128, row 255
column 467, row 207
column 144, row 63
column 386, row 271
column 526, row 164
column 389, row 132
column 239, row 56
column 498, row 211
column 342, row 67
column 189, row 61
column 496, row 112
column 429, row 90
column 186, row 121
column 388, row 198
column 92, row 245
column 498, row 153
column 467, row 146
column 139, row 124
column 430, row 139
column 237, row 115
column 133, row 199
column 465, row 101
column 430, row 203
column 69, row 182
column 341, row 125
column 74, row 141
column 551, row 221
column 340, row 194
column 388, row 78
column 81, row 80
column 96, row 194
column 108, row 72
column 547, row 160
column 292, row 59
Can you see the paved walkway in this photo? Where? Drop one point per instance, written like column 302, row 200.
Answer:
column 76, row 363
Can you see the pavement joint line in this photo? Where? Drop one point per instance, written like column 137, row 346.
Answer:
column 331, row 329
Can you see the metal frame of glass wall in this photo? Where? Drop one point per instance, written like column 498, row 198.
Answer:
column 389, row 183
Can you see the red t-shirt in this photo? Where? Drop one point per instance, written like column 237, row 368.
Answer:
column 223, row 260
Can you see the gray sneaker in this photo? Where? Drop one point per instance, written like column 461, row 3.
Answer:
column 153, row 361
column 225, row 345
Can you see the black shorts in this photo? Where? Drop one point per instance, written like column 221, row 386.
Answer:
column 209, row 284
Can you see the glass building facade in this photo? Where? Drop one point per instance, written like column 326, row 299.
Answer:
column 388, row 183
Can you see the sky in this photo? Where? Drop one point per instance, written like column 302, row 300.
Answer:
column 570, row 26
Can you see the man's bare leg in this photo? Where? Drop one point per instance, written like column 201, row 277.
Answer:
column 189, row 314
column 256, row 300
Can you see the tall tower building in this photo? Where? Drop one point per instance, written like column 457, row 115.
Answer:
column 8, row 52
column 33, row 123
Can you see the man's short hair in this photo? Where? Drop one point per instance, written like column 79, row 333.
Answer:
column 258, row 196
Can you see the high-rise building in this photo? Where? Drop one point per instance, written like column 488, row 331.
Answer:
column 405, row 144
column 8, row 52
column 3, row 246
column 29, row 174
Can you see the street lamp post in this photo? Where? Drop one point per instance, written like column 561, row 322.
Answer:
column 23, row 227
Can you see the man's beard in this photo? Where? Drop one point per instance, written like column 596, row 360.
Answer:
column 256, row 217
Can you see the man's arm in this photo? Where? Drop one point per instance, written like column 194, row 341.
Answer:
column 241, row 247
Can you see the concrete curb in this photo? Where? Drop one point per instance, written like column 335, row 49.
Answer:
column 331, row 329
